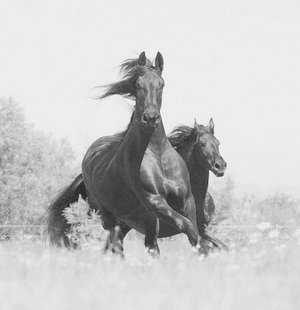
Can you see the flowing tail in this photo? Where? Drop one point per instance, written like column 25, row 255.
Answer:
column 57, row 225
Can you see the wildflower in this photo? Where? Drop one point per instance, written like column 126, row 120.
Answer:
column 263, row 226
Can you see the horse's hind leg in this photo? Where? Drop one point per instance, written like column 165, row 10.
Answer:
column 124, row 231
column 114, row 243
column 151, row 234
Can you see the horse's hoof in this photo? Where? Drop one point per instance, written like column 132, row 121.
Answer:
column 116, row 249
column 153, row 253
column 203, row 248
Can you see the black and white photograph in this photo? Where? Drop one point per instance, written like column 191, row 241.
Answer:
column 149, row 155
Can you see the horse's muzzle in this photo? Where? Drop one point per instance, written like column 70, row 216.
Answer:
column 150, row 120
column 219, row 168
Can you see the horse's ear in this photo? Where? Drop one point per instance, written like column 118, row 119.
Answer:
column 195, row 123
column 159, row 62
column 211, row 126
column 142, row 59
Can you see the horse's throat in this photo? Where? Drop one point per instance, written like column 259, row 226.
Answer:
column 158, row 141
column 138, row 140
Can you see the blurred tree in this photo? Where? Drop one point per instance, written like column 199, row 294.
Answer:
column 223, row 196
column 33, row 166
column 280, row 209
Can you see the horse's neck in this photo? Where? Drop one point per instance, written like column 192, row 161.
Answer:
column 159, row 141
column 185, row 151
column 199, row 176
column 137, row 141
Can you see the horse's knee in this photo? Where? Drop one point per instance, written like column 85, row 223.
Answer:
column 164, row 212
column 179, row 223
column 108, row 221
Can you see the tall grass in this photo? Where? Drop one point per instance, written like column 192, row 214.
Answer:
column 261, row 273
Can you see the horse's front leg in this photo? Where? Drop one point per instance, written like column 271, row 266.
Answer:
column 209, row 236
column 151, row 234
column 114, row 240
column 191, row 213
column 207, row 207
column 158, row 205
column 117, row 232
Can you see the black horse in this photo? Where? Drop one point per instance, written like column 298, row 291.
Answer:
column 200, row 150
column 146, row 181
column 196, row 145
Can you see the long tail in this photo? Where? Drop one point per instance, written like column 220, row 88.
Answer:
column 57, row 225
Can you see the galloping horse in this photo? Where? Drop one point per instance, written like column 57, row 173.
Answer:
column 146, row 181
column 200, row 150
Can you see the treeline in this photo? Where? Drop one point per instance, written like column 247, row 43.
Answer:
column 33, row 167
column 276, row 209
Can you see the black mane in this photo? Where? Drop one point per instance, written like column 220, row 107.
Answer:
column 131, row 70
column 182, row 134
column 109, row 145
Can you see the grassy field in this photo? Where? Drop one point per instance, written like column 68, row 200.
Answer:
column 261, row 271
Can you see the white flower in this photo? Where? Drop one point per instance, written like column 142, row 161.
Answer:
column 296, row 234
column 263, row 226
column 274, row 233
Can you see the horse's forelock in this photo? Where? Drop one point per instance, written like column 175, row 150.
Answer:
column 130, row 70
column 180, row 135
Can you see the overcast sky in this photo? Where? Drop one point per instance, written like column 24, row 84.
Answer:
column 236, row 61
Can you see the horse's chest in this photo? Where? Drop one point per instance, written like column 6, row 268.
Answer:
column 160, row 175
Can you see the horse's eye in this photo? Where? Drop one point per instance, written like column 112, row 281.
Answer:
column 138, row 85
column 162, row 84
column 202, row 144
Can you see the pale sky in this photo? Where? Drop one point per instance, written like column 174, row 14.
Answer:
column 236, row 61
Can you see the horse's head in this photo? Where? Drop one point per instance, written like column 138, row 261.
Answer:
column 143, row 82
column 207, row 149
column 148, row 91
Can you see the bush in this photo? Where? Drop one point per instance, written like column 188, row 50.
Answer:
column 85, row 223
column 277, row 209
column 33, row 166
column 224, row 199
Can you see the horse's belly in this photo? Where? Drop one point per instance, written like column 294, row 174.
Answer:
column 167, row 231
column 164, row 229
column 122, row 204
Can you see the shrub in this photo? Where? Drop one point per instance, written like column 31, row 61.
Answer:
column 33, row 166
column 277, row 209
column 85, row 223
column 224, row 199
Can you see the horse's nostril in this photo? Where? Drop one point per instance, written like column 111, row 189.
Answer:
column 150, row 118
column 217, row 166
column 144, row 119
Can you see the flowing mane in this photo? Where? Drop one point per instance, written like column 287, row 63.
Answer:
column 131, row 70
column 182, row 134
column 108, row 145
